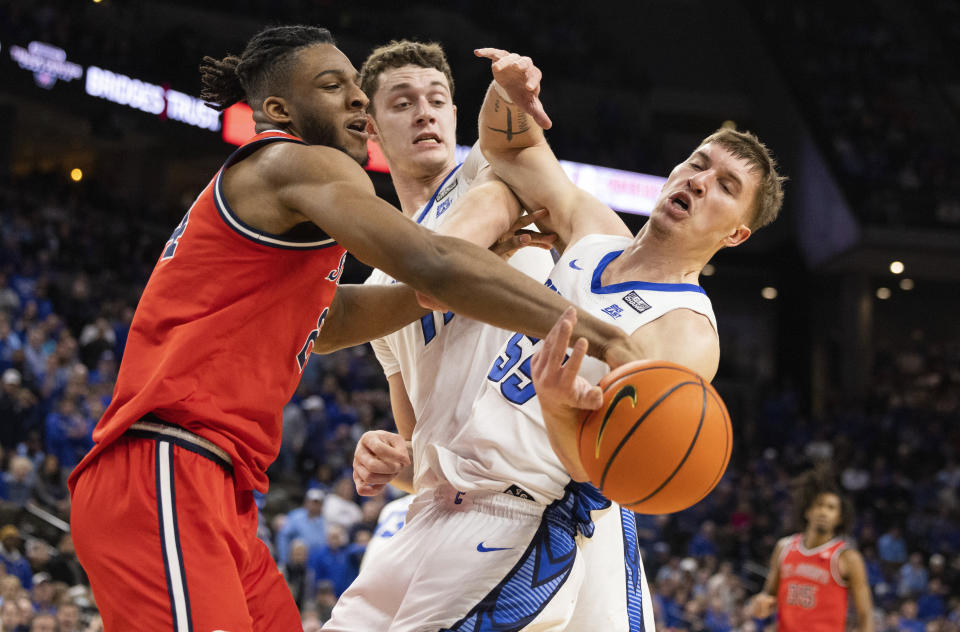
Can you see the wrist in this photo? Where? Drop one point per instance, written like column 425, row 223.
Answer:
column 502, row 92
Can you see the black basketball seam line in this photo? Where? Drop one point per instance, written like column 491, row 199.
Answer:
column 726, row 441
column 623, row 441
column 693, row 442
column 610, row 386
column 606, row 416
column 650, row 368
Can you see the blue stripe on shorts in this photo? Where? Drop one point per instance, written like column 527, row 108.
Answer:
column 541, row 570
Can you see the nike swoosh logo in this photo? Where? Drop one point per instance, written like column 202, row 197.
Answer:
column 573, row 264
column 484, row 549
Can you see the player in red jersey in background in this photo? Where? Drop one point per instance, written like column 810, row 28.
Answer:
column 163, row 516
column 812, row 572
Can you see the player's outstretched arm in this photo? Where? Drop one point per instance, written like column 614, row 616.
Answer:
column 360, row 313
column 326, row 187
column 855, row 571
column 490, row 216
column 512, row 140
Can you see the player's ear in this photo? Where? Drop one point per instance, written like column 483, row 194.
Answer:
column 372, row 132
column 276, row 110
column 737, row 236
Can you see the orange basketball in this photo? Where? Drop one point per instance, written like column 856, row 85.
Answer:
column 661, row 440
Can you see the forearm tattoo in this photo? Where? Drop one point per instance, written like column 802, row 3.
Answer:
column 509, row 131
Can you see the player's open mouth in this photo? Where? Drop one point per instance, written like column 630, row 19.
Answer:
column 427, row 138
column 358, row 126
column 681, row 201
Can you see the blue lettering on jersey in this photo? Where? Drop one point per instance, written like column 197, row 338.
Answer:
column 515, row 381
column 171, row 248
column 613, row 311
column 304, row 354
column 429, row 326
column 549, row 284
column 443, row 206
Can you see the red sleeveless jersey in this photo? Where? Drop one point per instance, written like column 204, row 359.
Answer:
column 224, row 329
column 812, row 596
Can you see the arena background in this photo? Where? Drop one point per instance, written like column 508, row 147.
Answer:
column 829, row 354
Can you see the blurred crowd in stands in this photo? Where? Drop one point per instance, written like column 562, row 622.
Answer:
column 62, row 332
column 878, row 84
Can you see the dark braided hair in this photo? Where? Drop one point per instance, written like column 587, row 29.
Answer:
column 264, row 64
column 810, row 485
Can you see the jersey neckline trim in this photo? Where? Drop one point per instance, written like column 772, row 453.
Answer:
column 433, row 198
column 817, row 549
column 597, row 287
column 244, row 229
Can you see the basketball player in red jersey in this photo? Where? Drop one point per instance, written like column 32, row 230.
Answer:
column 163, row 517
column 812, row 572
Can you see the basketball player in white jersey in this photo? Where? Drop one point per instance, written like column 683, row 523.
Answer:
column 413, row 119
column 474, row 558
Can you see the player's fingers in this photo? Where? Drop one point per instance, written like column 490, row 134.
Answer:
column 539, row 240
column 525, row 219
column 390, row 443
column 509, row 245
column 369, row 490
column 387, row 460
column 535, row 108
column 490, row 53
column 592, row 398
column 506, row 63
column 533, row 75
column 375, row 456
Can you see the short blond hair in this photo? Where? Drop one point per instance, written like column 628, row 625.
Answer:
column 400, row 53
column 747, row 146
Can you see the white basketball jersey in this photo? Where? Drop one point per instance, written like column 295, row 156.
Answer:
column 444, row 357
column 504, row 441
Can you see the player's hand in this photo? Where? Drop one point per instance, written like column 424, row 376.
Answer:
column 378, row 458
column 520, row 79
column 516, row 237
column 559, row 382
column 762, row 606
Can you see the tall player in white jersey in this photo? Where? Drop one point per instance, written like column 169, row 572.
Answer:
column 413, row 119
column 473, row 558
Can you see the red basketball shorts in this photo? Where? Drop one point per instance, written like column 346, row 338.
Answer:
column 169, row 544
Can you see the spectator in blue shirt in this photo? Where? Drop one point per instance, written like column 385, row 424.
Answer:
column 891, row 548
column 702, row 544
column 333, row 562
column 69, row 433
column 912, row 578
column 931, row 604
column 12, row 557
column 305, row 523
column 19, row 481
column 908, row 618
